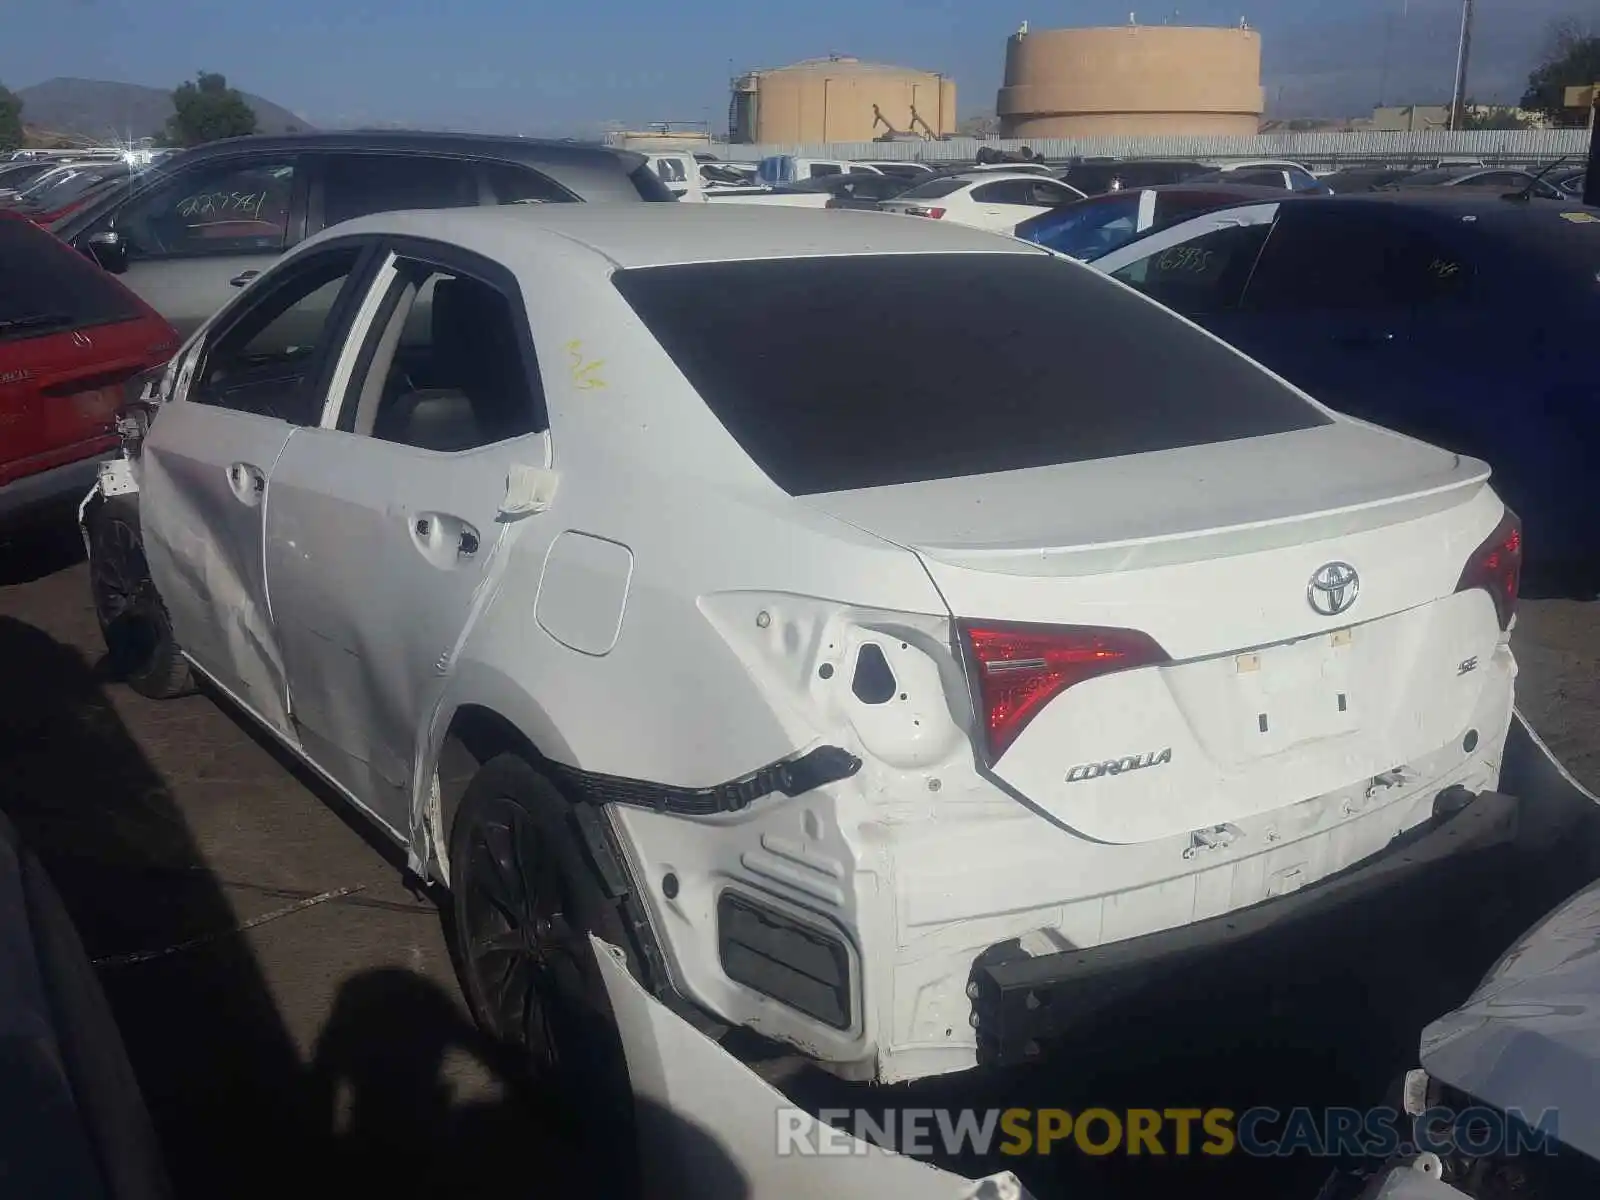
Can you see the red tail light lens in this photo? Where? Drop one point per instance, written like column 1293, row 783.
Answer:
column 1496, row 567
column 1018, row 669
column 920, row 210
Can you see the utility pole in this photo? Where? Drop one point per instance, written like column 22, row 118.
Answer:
column 1458, row 99
column 1383, row 71
column 1591, row 182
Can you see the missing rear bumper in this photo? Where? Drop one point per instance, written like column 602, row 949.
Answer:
column 1020, row 1003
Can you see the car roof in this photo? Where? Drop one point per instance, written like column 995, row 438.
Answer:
column 1485, row 208
column 994, row 173
column 1245, row 191
column 533, row 151
column 651, row 235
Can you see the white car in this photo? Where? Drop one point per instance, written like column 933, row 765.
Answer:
column 874, row 710
column 994, row 200
column 681, row 174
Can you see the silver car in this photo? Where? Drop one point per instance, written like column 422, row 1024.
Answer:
column 221, row 214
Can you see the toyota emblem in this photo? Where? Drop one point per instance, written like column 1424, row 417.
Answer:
column 1334, row 588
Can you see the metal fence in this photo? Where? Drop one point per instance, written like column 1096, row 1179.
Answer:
column 1496, row 147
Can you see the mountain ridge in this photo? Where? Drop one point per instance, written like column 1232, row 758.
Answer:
column 107, row 109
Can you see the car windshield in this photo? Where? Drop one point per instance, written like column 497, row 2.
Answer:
column 1000, row 362
column 47, row 288
column 1088, row 230
column 44, row 182
column 71, row 186
column 932, row 189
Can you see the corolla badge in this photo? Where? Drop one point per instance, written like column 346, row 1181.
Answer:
column 1116, row 766
column 1333, row 588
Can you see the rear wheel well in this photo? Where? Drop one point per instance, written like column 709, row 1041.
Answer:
column 476, row 735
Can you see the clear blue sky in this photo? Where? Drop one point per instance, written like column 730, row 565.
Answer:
column 543, row 67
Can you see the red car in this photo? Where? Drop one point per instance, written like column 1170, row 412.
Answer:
column 71, row 338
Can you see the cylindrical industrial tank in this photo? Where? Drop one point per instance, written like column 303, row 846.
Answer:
column 1131, row 80
column 839, row 99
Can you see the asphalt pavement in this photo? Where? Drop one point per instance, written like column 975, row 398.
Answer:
column 289, row 1006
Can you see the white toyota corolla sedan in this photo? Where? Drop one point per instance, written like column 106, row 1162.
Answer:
column 882, row 631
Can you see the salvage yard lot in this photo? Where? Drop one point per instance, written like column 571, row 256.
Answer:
column 325, row 1047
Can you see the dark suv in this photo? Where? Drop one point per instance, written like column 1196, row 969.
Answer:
column 222, row 213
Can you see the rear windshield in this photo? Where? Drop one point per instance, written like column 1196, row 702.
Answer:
column 933, row 189
column 1086, row 230
column 854, row 372
column 47, row 288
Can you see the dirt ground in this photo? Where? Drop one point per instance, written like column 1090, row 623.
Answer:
column 306, row 1036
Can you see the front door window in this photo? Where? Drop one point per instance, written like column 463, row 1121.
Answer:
column 239, row 206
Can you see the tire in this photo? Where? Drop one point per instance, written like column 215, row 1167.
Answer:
column 138, row 633
column 524, row 898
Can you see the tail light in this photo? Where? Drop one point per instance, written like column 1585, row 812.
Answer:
column 1496, row 567
column 1018, row 669
column 922, row 210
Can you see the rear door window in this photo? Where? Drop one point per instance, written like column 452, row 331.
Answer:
column 354, row 185
column 512, row 184
column 647, row 183
column 1048, row 193
column 233, row 206
column 1320, row 258
column 1204, row 275
column 1005, row 191
column 46, row 288
column 1086, row 230
column 1006, row 361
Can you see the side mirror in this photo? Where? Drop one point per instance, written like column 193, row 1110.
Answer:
column 108, row 249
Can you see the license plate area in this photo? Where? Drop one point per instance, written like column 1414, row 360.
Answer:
column 1297, row 692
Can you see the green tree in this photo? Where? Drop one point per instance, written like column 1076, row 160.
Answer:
column 1572, row 59
column 208, row 109
column 1493, row 117
column 10, row 119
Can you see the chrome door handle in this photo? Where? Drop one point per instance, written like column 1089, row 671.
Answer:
column 242, row 278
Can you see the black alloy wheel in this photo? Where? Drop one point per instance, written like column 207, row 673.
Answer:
column 525, row 899
column 519, row 944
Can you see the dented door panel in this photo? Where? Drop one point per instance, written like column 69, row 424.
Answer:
column 203, row 507
column 375, row 586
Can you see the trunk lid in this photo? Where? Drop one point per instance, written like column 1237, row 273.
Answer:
column 1211, row 551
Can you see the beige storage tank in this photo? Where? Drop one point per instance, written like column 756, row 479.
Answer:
column 1131, row 81
column 839, row 99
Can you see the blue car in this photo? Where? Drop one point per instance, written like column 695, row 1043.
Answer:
column 1467, row 320
column 1104, row 223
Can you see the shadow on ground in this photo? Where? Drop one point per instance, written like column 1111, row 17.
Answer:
column 34, row 552
column 1328, row 1018
column 238, row 1112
